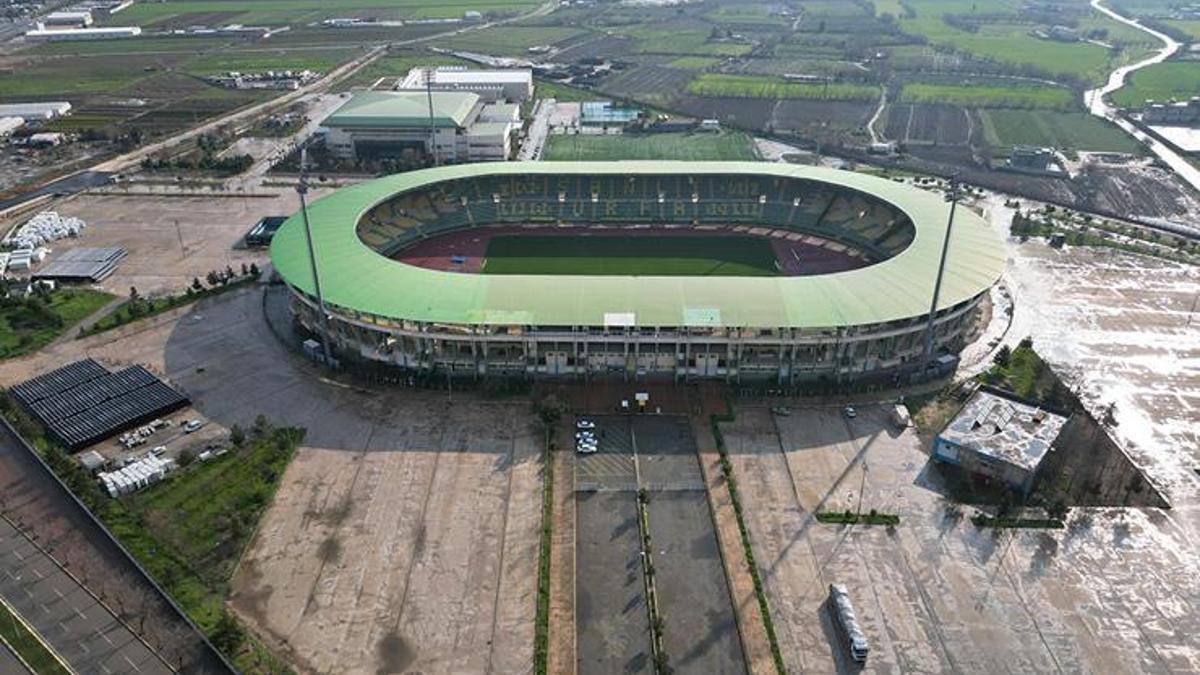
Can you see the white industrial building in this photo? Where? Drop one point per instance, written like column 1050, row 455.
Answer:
column 72, row 19
column 514, row 85
column 36, row 110
column 452, row 126
column 44, row 34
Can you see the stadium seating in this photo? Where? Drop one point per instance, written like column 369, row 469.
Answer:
column 860, row 222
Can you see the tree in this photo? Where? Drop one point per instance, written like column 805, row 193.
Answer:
column 254, row 270
column 1003, row 357
column 213, row 279
column 237, row 436
column 196, row 285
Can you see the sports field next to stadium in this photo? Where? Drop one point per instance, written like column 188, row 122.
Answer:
column 745, row 256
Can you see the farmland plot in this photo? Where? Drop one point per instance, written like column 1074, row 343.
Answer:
column 916, row 124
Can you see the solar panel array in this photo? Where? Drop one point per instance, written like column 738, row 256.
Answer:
column 83, row 403
column 82, row 264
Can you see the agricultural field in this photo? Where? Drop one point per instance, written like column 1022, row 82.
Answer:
column 509, row 40
column 707, row 146
column 641, row 255
column 751, row 86
column 684, row 39
column 298, row 12
column 1064, row 130
column 320, row 59
column 1191, row 27
column 989, row 95
column 1011, row 43
column 928, row 123
column 649, row 84
column 1176, row 80
column 693, row 62
column 394, row 65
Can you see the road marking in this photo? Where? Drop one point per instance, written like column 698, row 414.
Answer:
column 131, row 663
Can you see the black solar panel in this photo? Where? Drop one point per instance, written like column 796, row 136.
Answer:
column 83, row 403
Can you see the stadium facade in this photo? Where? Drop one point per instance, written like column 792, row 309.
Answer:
column 862, row 324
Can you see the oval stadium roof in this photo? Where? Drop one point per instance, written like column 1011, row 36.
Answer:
column 353, row 276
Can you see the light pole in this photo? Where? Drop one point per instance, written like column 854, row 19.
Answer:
column 952, row 196
column 302, row 189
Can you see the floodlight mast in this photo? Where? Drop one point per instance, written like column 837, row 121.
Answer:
column 302, row 190
column 952, row 195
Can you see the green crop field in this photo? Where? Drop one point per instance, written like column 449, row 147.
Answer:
column 631, row 256
column 665, row 38
column 695, row 146
column 321, row 59
column 1161, row 82
column 1011, row 42
column 1065, row 130
column 297, row 12
column 509, row 40
column 989, row 95
column 693, row 62
column 759, row 86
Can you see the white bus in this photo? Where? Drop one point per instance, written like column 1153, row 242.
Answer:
column 843, row 613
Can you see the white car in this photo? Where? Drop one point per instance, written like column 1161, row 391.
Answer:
column 849, row 412
column 192, row 425
column 159, row 451
column 585, row 424
column 586, row 449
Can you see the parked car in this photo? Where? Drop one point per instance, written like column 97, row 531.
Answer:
column 192, row 425
column 585, row 424
column 849, row 412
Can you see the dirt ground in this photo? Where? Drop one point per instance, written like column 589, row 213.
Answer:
column 170, row 239
column 404, row 533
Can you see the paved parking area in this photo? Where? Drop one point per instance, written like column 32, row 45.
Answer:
column 1112, row 593
column 404, row 534
column 699, row 632
column 80, row 629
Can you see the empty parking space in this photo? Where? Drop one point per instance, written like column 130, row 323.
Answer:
column 658, row 454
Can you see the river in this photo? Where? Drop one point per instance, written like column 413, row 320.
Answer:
column 1097, row 103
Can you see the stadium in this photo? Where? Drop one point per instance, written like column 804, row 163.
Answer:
column 735, row 270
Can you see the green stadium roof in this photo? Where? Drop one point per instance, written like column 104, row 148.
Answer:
column 353, row 276
column 403, row 109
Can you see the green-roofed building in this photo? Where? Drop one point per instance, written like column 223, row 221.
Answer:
column 381, row 124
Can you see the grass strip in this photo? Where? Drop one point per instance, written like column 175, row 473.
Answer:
column 541, row 630
column 135, row 309
column 1010, row 522
column 24, row 641
column 759, row 592
column 848, row 518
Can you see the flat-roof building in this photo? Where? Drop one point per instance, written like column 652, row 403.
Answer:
column 452, row 126
column 75, row 19
column 44, row 34
column 604, row 113
column 490, row 85
column 1001, row 437
column 35, row 110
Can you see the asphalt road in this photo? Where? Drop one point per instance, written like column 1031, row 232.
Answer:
column 69, row 618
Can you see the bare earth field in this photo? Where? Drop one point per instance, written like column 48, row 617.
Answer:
column 150, row 228
column 404, row 533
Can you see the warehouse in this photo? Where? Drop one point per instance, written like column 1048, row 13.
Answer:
column 68, row 19
column 490, row 85
column 451, row 126
column 35, row 110
column 1000, row 437
column 44, row 34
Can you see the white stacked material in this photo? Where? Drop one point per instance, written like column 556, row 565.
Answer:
column 20, row 259
column 4, row 263
column 10, row 124
column 45, row 227
column 133, row 477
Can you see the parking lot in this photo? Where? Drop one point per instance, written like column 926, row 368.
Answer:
column 1111, row 593
column 404, row 532
column 699, row 630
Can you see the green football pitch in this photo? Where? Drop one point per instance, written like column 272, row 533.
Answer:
column 726, row 256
